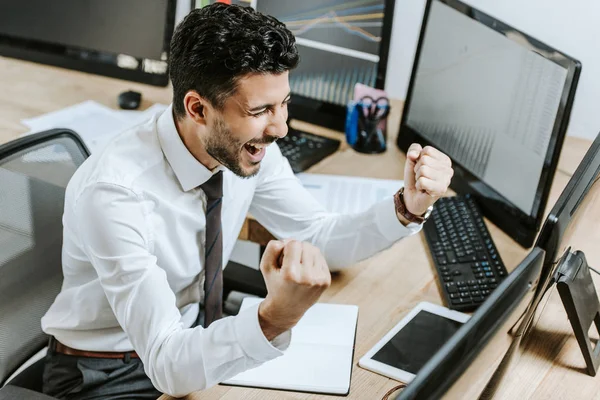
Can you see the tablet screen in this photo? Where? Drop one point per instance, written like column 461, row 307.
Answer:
column 417, row 341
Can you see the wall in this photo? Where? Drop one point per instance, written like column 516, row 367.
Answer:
column 569, row 25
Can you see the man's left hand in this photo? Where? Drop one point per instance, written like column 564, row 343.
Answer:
column 427, row 175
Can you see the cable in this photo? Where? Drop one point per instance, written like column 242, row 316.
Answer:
column 392, row 390
column 594, row 269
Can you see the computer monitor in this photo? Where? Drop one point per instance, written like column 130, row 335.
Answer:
column 574, row 217
column 570, row 225
column 123, row 39
column 340, row 43
column 498, row 102
column 463, row 366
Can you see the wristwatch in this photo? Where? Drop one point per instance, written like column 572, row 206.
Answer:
column 401, row 209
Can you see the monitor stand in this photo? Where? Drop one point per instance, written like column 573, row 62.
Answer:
column 579, row 297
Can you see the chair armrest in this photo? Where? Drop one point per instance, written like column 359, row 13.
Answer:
column 10, row 392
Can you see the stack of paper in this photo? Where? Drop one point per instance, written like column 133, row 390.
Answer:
column 348, row 194
column 94, row 122
column 319, row 358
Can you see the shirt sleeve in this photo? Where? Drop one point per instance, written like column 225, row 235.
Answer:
column 118, row 240
column 286, row 209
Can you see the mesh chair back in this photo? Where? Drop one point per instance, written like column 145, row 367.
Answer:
column 34, row 171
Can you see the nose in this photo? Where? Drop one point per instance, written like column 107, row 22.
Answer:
column 278, row 124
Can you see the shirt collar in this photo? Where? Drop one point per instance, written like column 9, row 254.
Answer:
column 190, row 172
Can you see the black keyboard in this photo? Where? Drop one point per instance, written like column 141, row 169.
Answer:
column 467, row 261
column 303, row 149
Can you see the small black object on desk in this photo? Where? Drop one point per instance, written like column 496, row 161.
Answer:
column 130, row 100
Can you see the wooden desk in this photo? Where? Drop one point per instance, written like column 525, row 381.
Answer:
column 386, row 286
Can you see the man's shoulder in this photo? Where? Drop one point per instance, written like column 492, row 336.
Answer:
column 124, row 161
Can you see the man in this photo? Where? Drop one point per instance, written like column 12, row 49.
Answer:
column 150, row 221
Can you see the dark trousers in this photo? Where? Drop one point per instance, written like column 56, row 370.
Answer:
column 86, row 378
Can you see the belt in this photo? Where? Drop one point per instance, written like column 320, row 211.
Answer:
column 69, row 351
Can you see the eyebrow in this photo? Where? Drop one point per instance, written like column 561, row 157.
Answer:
column 269, row 105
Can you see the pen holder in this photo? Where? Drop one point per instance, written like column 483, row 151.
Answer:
column 365, row 130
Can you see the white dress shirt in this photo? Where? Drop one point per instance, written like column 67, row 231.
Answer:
column 133, row 252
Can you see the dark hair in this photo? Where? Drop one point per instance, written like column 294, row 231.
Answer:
column 216, row 45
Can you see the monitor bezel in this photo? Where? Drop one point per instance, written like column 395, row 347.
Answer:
column 333, row 116
column 88, row 60
column 520, row 226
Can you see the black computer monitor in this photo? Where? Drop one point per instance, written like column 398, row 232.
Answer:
column 462, row 367
column 569, row 225
column 571, row 219
column 340, row 43
column 498, row 102
column 123, row 39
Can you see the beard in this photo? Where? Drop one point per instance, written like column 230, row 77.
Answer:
column 227, row 150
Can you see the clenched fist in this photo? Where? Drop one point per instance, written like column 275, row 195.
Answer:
column 296, row 274
column 427, row 175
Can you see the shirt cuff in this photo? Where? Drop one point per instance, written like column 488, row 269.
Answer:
column 389, row 225
column 252, row 339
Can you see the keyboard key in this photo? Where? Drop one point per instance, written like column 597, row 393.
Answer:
column 461, row 301
column 451, row 287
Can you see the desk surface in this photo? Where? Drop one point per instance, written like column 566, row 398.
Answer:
column 402, row 275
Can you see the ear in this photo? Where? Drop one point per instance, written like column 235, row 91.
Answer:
column 196, row 107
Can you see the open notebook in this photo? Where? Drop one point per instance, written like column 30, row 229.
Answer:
column 319, row 358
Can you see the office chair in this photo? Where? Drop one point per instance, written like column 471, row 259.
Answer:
column 34, row 171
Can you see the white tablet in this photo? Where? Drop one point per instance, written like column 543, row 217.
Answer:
column 413, row 341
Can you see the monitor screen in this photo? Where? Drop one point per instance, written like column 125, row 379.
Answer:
column 340, row 44
column 496, row 101
column 125, row 39
column 463, row 366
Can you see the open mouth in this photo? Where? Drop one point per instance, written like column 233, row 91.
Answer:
column 254, row 148
column 255, row 151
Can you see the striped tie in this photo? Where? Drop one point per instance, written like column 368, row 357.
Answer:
column 213, row 266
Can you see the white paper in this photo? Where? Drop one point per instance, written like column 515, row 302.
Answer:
column 95, row 123
column 246, row 253
column 319, row 358
column 348, row 194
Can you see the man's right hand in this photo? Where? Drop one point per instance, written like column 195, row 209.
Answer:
column 296, row 274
